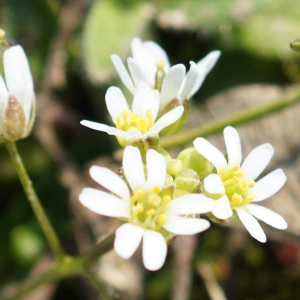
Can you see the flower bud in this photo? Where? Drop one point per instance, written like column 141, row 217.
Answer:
column 295, row 45
column 17, row 100
column 187, row 180
column 192, row 159
column 174, row 166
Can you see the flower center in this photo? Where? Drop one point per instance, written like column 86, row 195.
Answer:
column 148, row 209
column 128, row 121
column 236, row 187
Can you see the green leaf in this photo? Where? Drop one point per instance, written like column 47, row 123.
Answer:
column 109, row 28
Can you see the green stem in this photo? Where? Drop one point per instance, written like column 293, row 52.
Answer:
column 35, row 202
column 242, row 117
column 71, row 266
column 99, row 286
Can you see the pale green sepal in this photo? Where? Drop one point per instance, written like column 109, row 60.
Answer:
column 174, row 166
column 179, row 193
column 192, row 159
column 187, row 180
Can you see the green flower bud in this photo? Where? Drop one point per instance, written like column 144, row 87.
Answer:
column 178, row 193
column 192, row 159
column 187, row 180
column 174, row 166
column 295, row 45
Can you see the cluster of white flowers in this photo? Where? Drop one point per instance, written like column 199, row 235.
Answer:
column 146, row 197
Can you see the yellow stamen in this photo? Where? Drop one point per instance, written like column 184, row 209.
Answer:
column 166, row 199
column 237, row 199
column 156, row 189
column 151, row 212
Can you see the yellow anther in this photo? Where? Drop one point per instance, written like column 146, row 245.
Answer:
column 251, row 183
column 2, row 33
column 161, row 218
column 160, row 64
column 166, row 199
column 139, row 193
column 143, row 125
column 238, row 173
column 237, row 199
column 235, row 168
column 244, row 185
column 140, row 207
column 235, row 179
column 151, row 212
column 125, row 113
column 156, row 189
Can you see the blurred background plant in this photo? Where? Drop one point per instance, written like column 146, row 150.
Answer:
column 68, row 43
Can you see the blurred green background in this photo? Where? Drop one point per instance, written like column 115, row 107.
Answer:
column 77, row 38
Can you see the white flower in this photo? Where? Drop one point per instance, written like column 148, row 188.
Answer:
column 235, row 186
column 17, row 99
column 140, row 120
column 148, row 58
column 147, row 207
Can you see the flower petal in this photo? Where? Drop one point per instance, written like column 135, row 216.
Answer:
column 134, row 168
column 213, row 184
column 154, row 250
column 122, row 72
column 222, row 209
column 145, row 100
column 158, row 54
column 257, row 160
column 110, row 181
column 190, row 204
column 171, row 84
column 266, row 215
column 211, row 153
column 156, row 169
column 189, row 82
column 95, row 125
column 233, row 146
column 185, row 226
column 103, row 203
column 127, row 135
column 128, row 237
column 167, row 119
column 268, row 185
column 251, row 224
column 115, row 102
column 137, row 73
column 18, row 78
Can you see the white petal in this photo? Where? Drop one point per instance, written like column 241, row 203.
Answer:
column 257, row 160
column 103, row 203
column 211, row 153
column 134, row 168
column 145, row 100
column 158, row 54
column 268, row 185
column 251, row 225
column 4, row 95
column 95, row 125
column 266, row 215
column 189, row 82
column 128, row 237
column 18, row 77
column 204, row 66
column 233, row 146
column 171, row 84
column 167, row 119
column 110, row 181
column 154, row 250
column 190, row 204
column 213, row 184
column 115, row 102
column 222, row 209
column 186, row 226
column 137, row 73
column 127, row 135
column 156, row 169
column 208, row 62
column 122, row 72
column 136, row 45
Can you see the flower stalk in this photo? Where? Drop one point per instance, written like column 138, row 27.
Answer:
column 34, row 201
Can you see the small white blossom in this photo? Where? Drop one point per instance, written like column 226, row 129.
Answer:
column 147, row 207
column 139, row 121
column 17, row 99
column 148, row 58
column 234, row 184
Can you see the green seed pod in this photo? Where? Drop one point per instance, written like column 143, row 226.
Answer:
column 192, row 159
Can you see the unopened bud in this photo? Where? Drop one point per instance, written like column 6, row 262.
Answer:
column 187, row 180
column 192, row 159
column 295, row 45
column 174, row 166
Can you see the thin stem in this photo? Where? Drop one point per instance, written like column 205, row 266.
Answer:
column 242, row 117
column 69, row 267
column 35, row 202
column 97, row 284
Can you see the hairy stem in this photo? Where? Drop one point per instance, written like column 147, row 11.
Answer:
column 35, row 202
